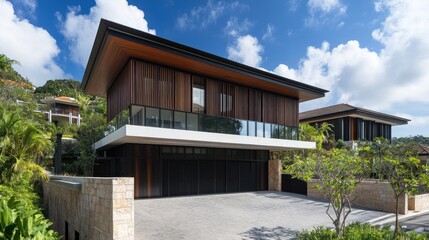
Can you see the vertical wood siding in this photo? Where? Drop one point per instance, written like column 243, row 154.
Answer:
column 151, row 85
column 182, row 91
column 119, row 94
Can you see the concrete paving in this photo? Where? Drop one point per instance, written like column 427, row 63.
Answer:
column 253, row 215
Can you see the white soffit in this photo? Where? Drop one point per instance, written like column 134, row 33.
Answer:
column 167, row 136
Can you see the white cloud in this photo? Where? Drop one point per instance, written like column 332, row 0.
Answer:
column 234, row 28
column 246, row 50
column 80, row 29
column 326, row 6
column 269, row 32
column 388, row 80
column 25, row 7
column 32, row 46
column 324, row 11
column 202, row 16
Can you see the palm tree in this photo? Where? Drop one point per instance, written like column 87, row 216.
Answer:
column 22, row 145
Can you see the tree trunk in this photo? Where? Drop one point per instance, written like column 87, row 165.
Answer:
column 396, row 217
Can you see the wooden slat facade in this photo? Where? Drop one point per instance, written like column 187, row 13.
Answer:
column 119, row 94
column 147, row 84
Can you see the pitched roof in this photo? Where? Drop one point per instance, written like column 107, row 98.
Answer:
column 344, row 110
column 115, row 44
column 422, row 149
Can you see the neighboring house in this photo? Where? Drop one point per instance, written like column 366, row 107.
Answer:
column 62, row 110
column 354, row 123
column 423, row 152
column 195, row 123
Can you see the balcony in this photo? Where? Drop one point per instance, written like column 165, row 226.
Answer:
column 164, row 118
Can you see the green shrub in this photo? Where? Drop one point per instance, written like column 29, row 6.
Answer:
column 359, row 231
column 18, row 221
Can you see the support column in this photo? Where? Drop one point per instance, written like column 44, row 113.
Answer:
column 70, row 118
column 275, row 175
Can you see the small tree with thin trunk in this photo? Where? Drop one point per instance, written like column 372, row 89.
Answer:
column 400, row 167
column 338, row 172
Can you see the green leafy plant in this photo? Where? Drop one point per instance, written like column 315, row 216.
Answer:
column 358, row 231
column 17, row 221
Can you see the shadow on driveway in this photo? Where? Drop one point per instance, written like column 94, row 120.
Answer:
column 266, row 233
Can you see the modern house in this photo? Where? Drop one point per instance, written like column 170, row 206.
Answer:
column 62, row 110
column 186, row 122
column 354, row 123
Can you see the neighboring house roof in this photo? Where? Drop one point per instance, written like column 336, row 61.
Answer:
column 422, row 149
column 346, row 110
column 116, row 44
column 63, row 100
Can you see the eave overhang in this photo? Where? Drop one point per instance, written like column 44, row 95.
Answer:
column 360, row 113
column 116, row 44
column 165, row 136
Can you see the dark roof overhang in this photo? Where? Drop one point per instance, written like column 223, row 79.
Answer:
column 345, row 110
column 115, row 44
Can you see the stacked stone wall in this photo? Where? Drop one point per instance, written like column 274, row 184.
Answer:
column 369, row 194
column 93, row 208
column 419, row 202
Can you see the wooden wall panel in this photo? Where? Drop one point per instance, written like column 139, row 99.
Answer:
column 182, row 91
column 269, row 108
column 213, row 91
column 166, row 88
column 228, row 100
column 281, row 110
column 255, row 105
column 146, row 82
column 291, row 112
column 241, row 104
column 119, row 94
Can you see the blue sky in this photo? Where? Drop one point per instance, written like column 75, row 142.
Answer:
column 371, row 54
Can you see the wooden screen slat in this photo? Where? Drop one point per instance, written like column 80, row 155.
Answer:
column 269, row 107
column 227, row 106
column 281, row 109
column 119, row 94
column 166, row 88
column 255, row 105
column 241, row 104
column 291, row 113
column 182, row 91
column 147, row 77
column 213, row 91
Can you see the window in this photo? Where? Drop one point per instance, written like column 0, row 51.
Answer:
column 198, row 95
column 225, row 103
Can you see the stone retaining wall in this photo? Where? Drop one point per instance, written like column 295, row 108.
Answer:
column 370, row 194
column 419, row 202
column 91, row 208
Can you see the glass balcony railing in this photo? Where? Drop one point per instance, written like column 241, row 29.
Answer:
column 164, row 118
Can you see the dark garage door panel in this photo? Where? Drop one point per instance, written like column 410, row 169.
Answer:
column 192, row 177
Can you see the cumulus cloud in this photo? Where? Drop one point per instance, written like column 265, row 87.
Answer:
column 324, row 11
column 32, row 46
column 25, row 7
column 246, row 50
column 395, row 76
column 202, row 16
column 80, row 29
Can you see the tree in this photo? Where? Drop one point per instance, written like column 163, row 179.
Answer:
column 338, row 172
column 59, row 87
column 8, row 72
column 398, row 165
column 22, row 147
column 92, row 128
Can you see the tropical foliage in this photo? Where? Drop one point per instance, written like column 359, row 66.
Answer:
column 59, row 87
column 359, row 231
column 412, row 139
column 18, row 221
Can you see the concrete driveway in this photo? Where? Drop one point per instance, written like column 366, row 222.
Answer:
column 253, row 215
